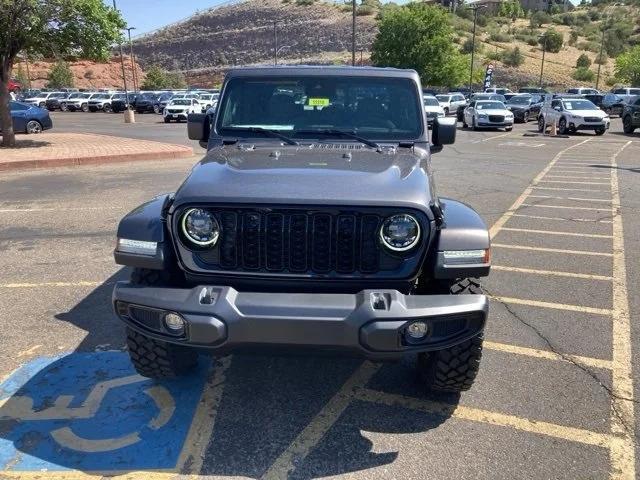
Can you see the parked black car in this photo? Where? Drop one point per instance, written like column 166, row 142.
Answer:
column 631, row 115
column 53, row 102
column 525, row 107
column 308, row 236
column 533, row 90
column 147, row 103
column 119, row 102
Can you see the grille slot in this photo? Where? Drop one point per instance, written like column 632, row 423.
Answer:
column 496, row 118
column 592, row 119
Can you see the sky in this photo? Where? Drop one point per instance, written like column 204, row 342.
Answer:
column 148, row 15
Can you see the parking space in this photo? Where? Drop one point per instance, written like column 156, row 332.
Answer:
column 554, row 398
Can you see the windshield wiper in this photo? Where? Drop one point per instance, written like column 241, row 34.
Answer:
column 341, row 133
column 267, row 132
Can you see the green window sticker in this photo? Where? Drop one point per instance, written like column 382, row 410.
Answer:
column 319, row 102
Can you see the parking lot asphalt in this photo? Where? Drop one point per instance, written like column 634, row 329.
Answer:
column 554, row 399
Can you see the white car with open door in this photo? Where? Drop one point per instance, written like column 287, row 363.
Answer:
column 488, row 114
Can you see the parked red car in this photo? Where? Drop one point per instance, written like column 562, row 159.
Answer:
column 14, row 86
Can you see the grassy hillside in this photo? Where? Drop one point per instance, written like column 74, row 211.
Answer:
column 316, row 31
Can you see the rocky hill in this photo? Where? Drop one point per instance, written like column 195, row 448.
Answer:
column 243, row 34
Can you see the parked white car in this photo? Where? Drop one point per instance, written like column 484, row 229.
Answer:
column 626, row 94
column 488, row 114
column 77, row 101
column 178, row 109
column 432, row 108
column 583, row 91
column 40, row 99
column 451, row 101
column 572, row 114
column 101, row 101
column 498, row 90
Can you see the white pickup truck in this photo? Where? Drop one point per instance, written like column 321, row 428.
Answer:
column 572, row 113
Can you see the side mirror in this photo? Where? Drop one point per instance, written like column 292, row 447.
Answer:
column 198, row 127
column 444, row 133
column 557, row 108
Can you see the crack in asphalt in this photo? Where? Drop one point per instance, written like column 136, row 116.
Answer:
column 628, row 428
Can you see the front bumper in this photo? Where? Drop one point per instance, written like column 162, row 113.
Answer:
column 181, row 115
column 370, row 323
column 589, row 125
column 488, row 124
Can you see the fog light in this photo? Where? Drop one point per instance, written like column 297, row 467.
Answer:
column 417, row 330
column 174, row 322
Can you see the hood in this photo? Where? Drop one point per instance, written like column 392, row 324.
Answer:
column 587, row 113
column 493, row 111
column 433, row 108
column 320, row 174
column 518, row 106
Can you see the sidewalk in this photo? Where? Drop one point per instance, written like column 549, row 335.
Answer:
column 48, row 150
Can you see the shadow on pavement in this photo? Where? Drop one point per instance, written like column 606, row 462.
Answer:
column 626, row 169
column 88, row 410
column 20, row 143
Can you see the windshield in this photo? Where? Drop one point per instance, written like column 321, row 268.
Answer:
column 520, row 100
column 490, row 106
column 443, row 98
column 431, row 102
column 579, row 105
column 378, row 108
column 103, row 96
column 181, row 102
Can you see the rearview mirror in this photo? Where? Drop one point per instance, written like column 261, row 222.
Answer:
column 444, row 133
column 198, row 127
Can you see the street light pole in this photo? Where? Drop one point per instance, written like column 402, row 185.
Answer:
column 544, row 49
column 353, row 33
column 133, row 63
column 275, row 43
column 473, row 42
column 124, row 77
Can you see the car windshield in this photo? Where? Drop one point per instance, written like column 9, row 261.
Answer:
column 103, row 96
column 520, row 100
column 181, row 102
column 490, row 106
column 375, row 108
column 579, row 105
column 431, row 102
column 59, row 95
column 443, row 98
column 206, row 97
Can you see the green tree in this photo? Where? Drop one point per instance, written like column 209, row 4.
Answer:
column 155, row 78
column 22, row 77
column 552, row 40
column 539, row 18
column 51, row 28
column 628, row 67
column 60, row 76
column 513, row 58
column 419, row 36
column 583, row 74
column 583, row 61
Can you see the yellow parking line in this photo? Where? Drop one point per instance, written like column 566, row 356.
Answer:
column 570, row 189
column 548, row 355
column 552, row 232
column 571, row 182
column 541, row 217
column 321, row 423
column 552, row 305
column 527, row 191
column 553, row 273
column 51, row 284
column 484, row 416
column 600, row 209
column 622, row 452
column 577, row 199
column 552, row 250
column 497, row 136
column 204, row 420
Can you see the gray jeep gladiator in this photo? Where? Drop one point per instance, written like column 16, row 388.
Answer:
column 312, row 224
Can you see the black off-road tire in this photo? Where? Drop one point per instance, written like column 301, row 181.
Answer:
column 155, row 358
column 627, row 125
column 453, row 370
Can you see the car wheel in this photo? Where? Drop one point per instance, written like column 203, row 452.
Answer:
column 460, row 116
column 167, row 120
column 64, row 107
column 454, row 369
column 474, row 127
column 34, row 126
column 562, row 126
column 156, row 109
column 107, row 108
column 508, row 129
column 541, row 125
column 525, row 117
column 464, row 123
column 627, row 124
column 42, row 104
column 84, row 107
column 600, row 131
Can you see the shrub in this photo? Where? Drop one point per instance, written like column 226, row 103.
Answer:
column 513, row 58
column 583, row 61
column 468, row 45
column 583, row 75
column 496, row 55
column 601, row 59
column 552, row 40
column 364, row 10
column 589, row 46
column 539, row 18
column 60, row 76
column 496, row 36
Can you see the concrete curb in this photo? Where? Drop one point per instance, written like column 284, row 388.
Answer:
column 177, row 153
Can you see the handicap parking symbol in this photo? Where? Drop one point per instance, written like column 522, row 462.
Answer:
column 92, row 412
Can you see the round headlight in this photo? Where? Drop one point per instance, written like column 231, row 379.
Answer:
column 200, row 227
column 400, row 233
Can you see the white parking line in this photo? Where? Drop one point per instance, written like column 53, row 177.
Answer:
column 555, row 273
column 551, row 250
column 559, row 189
column 579, row 199
column 553, row 232
column 574, row 183
column 552, row 305
column 562, row 219
column 600, row 209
